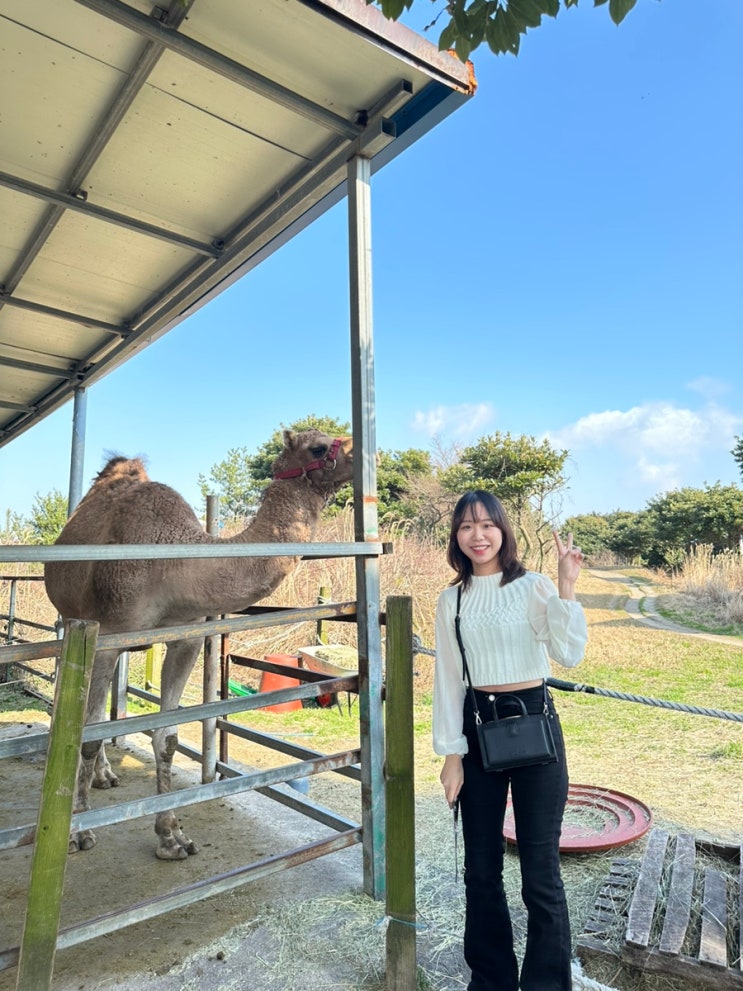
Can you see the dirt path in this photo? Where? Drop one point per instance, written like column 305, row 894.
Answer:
column 641, row 604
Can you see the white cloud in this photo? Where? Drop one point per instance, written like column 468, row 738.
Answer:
column 622, row 458
column 662, row 477
column 460, row 422
column 652, row 429
column 708, row 387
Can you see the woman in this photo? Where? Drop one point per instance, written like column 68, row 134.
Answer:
column 512, row 620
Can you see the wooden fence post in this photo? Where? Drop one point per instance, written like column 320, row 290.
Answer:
column 49, row 861
column 400, row 825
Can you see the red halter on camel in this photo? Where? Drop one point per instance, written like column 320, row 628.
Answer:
column 329, row 461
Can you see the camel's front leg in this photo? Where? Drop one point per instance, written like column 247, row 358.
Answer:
column 103, row 774
column 173, row 844
column 84, row 839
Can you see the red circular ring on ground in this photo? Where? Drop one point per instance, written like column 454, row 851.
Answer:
column 595, row 819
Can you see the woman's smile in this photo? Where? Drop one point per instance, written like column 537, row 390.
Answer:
column 481, row 540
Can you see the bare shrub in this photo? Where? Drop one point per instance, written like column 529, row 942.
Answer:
column 714, row 579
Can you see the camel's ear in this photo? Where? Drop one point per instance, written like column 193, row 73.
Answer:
column 288, row 438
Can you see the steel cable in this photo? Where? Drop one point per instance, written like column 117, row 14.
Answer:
column 570, row 686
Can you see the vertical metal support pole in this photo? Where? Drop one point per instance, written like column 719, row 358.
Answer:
column 49, row 861
column 401, row 928
column 211, row 669
column 119, row 688
column 366, row 526
column 321, row 630
column 5, row 669
column 224, row 667
column 77, row 457
column 77, row 450
column 11, row 609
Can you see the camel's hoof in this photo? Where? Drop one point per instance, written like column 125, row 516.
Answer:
column 173, row 844
column 84, row 840
column 176, row 847
column 171, row 851
column 107, row 780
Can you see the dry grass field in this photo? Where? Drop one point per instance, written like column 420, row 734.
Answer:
column 687, row 768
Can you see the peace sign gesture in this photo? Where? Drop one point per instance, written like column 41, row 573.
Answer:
column 569, row 561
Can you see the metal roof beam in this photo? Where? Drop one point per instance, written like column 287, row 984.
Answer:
column 69, row 202
column 194, row 51
column 56, row 396
column 101, row 134
column 330, row 166
column 315, row 180
column 35, row 366
column 318, row 177
column 50, row 311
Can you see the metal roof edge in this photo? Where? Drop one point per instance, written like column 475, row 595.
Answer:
column 368, row 20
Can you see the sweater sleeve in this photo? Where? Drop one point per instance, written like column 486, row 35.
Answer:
column 559, row 623
column 448, row 684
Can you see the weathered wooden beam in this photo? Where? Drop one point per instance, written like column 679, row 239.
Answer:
column 687, row 969
column 642, row 909
column 678, row 905
column 713, row 939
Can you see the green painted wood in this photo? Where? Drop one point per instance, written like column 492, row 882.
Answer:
column 399, row 785
column 49, row 859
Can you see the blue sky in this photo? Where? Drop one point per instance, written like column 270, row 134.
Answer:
column 562, row 257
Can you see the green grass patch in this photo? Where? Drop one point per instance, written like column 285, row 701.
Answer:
column 703, row 620
column 728, row 751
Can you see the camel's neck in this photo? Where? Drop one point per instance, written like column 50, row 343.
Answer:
column 289, row 513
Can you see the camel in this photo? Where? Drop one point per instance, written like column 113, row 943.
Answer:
column 124, row 507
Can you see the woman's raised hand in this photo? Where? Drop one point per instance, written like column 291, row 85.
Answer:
column 569, row 561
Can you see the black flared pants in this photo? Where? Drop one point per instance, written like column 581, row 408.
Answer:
column 538, row 796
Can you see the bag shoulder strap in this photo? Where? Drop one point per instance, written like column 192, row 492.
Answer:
column 465, row 668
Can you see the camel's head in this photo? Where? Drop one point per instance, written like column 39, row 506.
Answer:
column 325, row 462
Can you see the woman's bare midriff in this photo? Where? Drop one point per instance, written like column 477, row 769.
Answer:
column 517, row 686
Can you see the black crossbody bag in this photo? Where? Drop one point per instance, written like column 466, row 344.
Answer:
column 513, row 740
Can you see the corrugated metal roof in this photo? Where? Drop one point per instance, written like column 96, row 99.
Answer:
column 151, row 155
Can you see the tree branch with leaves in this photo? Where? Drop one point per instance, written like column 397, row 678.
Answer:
column 497, row 23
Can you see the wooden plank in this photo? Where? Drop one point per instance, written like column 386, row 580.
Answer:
column 740, row 910
column 687, row 969
column 399, row 783
column 640, row 917
column 589, row 947
column 43, row 907
column 713, row 940
column 678, row 906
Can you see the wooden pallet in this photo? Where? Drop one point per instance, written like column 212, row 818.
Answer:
column 630, row 920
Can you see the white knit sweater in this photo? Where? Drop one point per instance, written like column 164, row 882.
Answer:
column 509, row 634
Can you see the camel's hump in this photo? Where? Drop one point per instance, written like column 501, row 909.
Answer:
column 121, row 469
column 117, row 479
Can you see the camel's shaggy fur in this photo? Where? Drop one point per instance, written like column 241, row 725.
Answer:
column 124, row 507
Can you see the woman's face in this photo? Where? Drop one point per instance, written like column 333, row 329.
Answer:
column 480, row 540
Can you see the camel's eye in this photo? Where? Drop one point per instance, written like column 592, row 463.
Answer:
column 318, row 452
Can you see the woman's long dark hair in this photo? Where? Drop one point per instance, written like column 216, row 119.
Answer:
column 511, row 566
